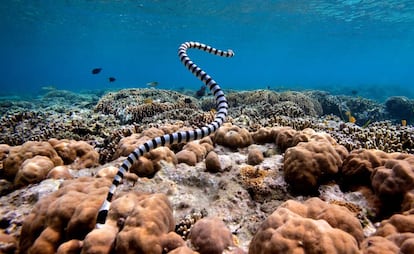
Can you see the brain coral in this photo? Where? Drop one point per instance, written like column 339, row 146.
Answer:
column 309, row 164
column 287, row 232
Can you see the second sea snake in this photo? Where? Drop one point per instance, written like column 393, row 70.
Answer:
column 177, row 137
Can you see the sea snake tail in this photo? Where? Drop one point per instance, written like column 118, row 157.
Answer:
column 177, row 137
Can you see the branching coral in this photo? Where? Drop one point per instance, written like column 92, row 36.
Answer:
column 133, row 105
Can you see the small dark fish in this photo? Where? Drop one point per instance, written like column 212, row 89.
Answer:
column 96, row 70
column 187, row 100
column 111, row 79
column 200, row 92
column 354, row 92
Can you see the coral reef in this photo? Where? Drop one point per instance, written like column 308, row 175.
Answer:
column 130, row 105
column 400, row 108
column 278, row 145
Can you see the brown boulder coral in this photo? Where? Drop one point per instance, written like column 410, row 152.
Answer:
column 4, row 152
column 33, row 170
column 30, row 149
column 192, row 153
column 285, row 137
column 65, row 220
column 77, row 154
column 309, row 164
column 145, row 223
column 337, row 216
column 69, row 213
column 359, row 165
column 379, row 245
column 287, row 232
column 232, row 136
column 255, row 156
column 8, row 243
column 148, row 164
column 213, row 164
column 128, row 144
column 210, row 236
column 393, row 180
column 394, row 235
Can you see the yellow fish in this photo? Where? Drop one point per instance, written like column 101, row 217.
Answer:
column 148, row 101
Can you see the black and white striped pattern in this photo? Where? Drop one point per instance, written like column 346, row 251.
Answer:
column 177, row 137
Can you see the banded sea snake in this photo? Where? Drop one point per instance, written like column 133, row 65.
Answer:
column 177, row 137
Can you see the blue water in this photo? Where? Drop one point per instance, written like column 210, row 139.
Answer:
column 339, row 46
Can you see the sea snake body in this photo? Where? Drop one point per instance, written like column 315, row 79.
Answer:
column 177, row 137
